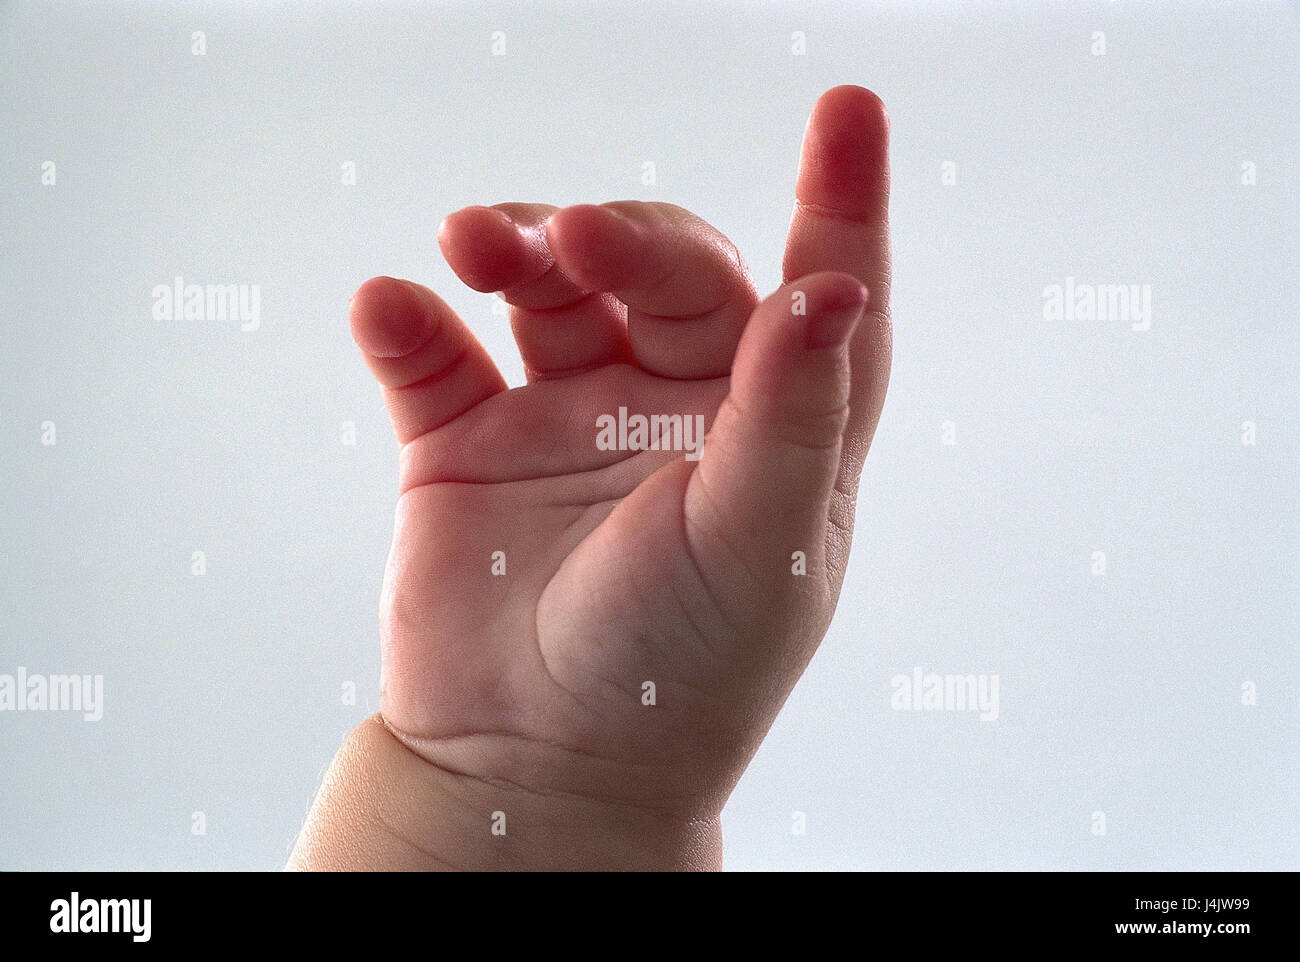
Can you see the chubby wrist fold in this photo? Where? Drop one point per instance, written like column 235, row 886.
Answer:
column 383, row 807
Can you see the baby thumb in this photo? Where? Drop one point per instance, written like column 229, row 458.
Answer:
column 761, row 491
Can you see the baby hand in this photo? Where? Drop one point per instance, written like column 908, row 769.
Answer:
column 588, row 622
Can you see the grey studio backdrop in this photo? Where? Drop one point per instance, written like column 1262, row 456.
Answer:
column 1099, row 509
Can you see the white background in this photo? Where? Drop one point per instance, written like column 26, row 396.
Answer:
column 1119, row 693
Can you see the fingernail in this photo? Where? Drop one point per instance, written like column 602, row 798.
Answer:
column 834, row 326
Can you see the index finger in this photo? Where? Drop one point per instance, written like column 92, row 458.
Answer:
column 841, row 223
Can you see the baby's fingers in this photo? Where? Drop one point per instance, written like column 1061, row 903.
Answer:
column 431, row 367
column 841, row 223
column 561, row 328
column 687, row 291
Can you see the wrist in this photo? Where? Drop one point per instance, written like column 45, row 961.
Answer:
column 382, row 807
